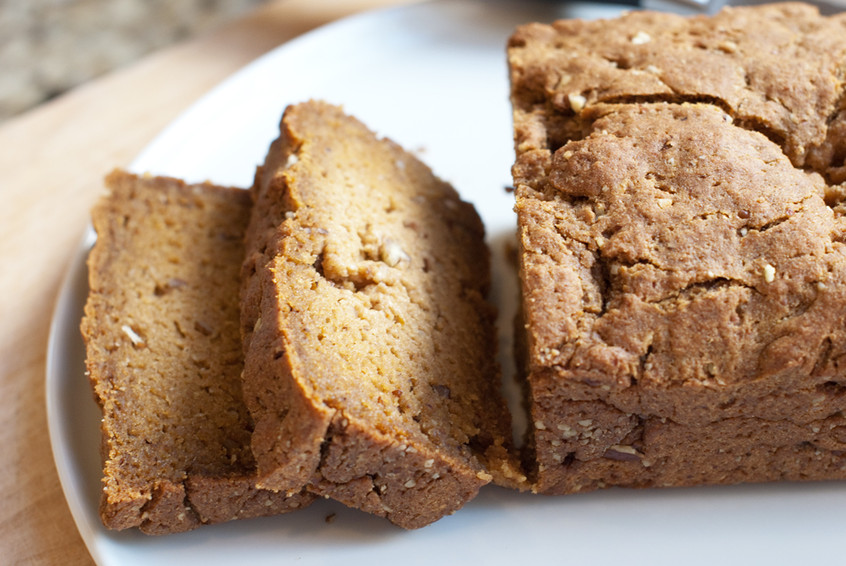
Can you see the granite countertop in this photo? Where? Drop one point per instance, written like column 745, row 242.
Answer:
column 50, row 46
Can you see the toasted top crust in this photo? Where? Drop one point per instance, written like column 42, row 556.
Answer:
column 778, row 69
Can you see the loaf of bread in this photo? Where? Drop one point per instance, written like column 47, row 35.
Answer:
column 370, row 349
column 680, row 200
column 163, row 345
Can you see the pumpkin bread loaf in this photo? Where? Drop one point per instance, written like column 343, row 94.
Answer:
column 370, row 363
column 164, row 357
column 680, row 200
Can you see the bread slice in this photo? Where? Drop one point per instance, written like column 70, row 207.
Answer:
column 370, row 354
column 164, row 357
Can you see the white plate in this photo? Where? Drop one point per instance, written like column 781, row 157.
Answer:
column 433, row 78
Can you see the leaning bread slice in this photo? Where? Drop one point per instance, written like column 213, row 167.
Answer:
column 164, row 357
column 370, row 364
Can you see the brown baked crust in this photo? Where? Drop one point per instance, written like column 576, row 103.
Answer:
column 682, row 264
column 370, row 362
column 163, row 347
column 776, row 69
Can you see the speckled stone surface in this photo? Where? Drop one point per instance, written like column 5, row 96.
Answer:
column 49, row 46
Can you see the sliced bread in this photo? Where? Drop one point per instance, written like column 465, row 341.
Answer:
column 370, row 349
column 164, row 357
